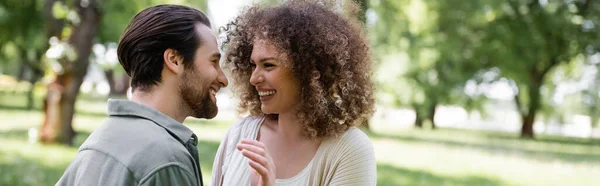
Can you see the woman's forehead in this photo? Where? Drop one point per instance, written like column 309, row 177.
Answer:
column 267, row 48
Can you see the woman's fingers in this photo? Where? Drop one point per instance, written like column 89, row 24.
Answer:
column 253, row 148
column 255, row 157
column 253, row 142
column 260, row 169
column 259, row 159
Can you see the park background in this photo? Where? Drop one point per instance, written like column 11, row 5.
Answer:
column 469, row 92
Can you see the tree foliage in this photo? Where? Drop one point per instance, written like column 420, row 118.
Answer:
column 447, row 43
column 436, row 58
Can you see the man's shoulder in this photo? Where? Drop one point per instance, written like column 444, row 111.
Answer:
column 138, row 144
column 129, row 135
column 92, row 167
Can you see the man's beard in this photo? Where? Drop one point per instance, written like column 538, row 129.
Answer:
column 195, row 94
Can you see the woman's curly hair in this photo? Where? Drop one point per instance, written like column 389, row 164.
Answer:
column 329, row 56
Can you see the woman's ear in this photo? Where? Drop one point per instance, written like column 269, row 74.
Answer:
column 173, row 61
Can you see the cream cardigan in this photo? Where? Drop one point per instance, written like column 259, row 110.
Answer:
column 346, row 160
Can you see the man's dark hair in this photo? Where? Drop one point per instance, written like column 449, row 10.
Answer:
column 150, row 33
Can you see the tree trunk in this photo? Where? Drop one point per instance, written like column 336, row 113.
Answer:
column 22, row 68
column 418, row 117
column 30, row 93
column 527, row 126
column 59, row 105
column 418, row 122
column 593, row 122
column 122, row 85
column 110, row 78
column 118, row 85
column 594, row 118
column 30, row 97
column 595, row 102
column 30, row 72
column 431, row 115
column 36, row 74
column 57, row 126
column 528, row 119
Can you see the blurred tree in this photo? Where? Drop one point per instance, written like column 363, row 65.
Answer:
column 438, row 55
column 81, row 28
column 582, row 97
column 528, row 39
column 591, row 100
column 20, row 24
column 451, row 41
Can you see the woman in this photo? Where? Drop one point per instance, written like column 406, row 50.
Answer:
column 302, row 72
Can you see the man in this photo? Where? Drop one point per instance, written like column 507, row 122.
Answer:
column 171, row 54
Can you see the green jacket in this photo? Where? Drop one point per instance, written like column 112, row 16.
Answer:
column 136, row 145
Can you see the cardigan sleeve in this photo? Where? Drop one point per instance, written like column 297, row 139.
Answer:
column 226, row 147
column 356, row 160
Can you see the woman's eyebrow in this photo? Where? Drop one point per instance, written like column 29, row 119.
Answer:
column 264, row 59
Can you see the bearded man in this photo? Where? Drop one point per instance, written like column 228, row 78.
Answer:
column 171, row 55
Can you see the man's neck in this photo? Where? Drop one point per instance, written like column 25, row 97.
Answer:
column 161, row 100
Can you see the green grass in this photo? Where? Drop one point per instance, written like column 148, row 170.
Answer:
column 459, row 157
column 404, row 157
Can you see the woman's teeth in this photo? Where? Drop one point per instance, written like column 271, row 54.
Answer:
column 266, row 93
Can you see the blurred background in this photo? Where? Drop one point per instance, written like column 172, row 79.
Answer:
column 469, row 92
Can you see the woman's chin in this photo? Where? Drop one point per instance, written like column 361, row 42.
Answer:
column 267, row 110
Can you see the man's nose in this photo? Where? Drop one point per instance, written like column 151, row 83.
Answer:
column 222, row 79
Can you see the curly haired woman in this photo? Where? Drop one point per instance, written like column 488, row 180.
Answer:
column 302, row 73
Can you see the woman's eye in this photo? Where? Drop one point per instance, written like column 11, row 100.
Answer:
column 269, row 65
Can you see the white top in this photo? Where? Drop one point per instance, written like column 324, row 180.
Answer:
column 346, row 160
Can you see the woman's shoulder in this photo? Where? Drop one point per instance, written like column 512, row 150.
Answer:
column 347, row 160
column 245, row 127
column 248, row 120
column 352, row 141
column 354, row 135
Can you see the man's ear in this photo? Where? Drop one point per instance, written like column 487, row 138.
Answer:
column 173, row 61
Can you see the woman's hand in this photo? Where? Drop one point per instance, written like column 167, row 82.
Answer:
column 263, row 173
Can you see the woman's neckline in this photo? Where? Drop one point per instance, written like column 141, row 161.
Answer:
column 304, row 170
